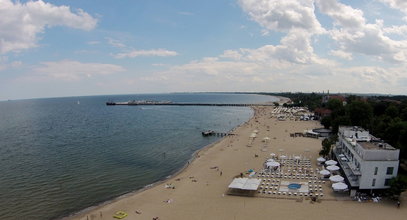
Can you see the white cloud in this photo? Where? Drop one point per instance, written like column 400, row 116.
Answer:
column 342, row 54
column 354, row 35
column 155, row 52
column 283, row 15
column 73, row 70
column 115, row 43
column 399, row 5
column 20, row 23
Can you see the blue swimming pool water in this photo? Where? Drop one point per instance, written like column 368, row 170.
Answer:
column 294, row 186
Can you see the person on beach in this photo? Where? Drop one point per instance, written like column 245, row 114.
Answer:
column 398, row 204
column 220, row 173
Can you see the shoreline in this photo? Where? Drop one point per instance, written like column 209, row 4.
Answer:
column 188, row 163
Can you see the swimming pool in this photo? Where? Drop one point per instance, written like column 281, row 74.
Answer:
column 294, row 186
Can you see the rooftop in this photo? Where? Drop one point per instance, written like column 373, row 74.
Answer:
column 376, row 146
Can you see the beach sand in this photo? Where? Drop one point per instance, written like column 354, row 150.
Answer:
column 200, row 189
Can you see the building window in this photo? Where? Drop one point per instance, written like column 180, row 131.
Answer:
column 387, row 182
column 373, row 182
column 375, row 170
column 389, row 170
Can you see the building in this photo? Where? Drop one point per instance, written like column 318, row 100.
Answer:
column 366, row 161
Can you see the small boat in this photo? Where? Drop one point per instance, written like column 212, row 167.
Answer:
column 207, row 133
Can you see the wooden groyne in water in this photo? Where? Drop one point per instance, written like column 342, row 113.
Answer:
column 185, row 104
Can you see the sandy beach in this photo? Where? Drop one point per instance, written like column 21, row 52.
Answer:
column 199, row 190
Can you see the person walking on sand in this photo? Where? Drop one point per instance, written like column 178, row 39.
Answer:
column 220, row 173
column 398, row 204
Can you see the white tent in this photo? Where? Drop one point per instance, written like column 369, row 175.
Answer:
column 321, row 159
column 324, row 172
column 245, row 184
column 339, row 186
column 272, row 164
column 331, row 162
column 336, row 178
column 332, row 168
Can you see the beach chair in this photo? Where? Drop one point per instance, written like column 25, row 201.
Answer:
column 279, row 193
column 289, row 193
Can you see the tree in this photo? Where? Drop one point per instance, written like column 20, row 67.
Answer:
column 326, row 122
column 326, row 147
column 397, row 186
column 360, row 113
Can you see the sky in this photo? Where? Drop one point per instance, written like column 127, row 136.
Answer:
column 75, row 48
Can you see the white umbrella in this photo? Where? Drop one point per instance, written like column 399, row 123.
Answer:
column 255, row 131
column 339, row 186
column 283, row 157
column 332, row 168
column 336, row 178
column 297, row 157
column 324, row 172
column 321, row 159
column 272, row 154
column 331, row 162
column 272, row 164
column 281, row 150
column 341, row 155
column 270, row 160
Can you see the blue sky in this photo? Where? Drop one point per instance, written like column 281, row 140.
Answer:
column 75, row 48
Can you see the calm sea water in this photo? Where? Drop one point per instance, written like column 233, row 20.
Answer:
column 61, row 155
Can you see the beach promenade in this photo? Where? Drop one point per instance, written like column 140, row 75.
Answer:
column 199, row 191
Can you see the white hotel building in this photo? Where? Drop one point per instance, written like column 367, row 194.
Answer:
column 367, row 162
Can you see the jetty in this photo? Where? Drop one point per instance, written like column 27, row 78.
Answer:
column 214, row 133
column 184, row 104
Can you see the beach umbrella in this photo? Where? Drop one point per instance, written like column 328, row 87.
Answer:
column 273, row 154
column 297, row 157
column 331, row 162
column 341, row 155
column 270, row 160
column 321, row 159
column 332, row 168
column 281, row 150
column 255, row 131
column 324, row 172
column 283, row 157
column 339, row 186
column 250, row 170
column 344, row 159
column 336, row 178
column 273, row 164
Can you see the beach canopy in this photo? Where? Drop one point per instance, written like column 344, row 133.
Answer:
column 245, row 184
column 331, row 162
column 273, row 164
column 336, row 178
column 324, row 172
column 321, row 159
column 283, row 156
column 339, row 186
column 332, row 168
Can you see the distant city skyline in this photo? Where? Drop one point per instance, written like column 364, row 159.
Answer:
column 79, row 48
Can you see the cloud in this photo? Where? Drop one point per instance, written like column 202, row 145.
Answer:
column 397, row 4
column 115, row 43
column 70, row 70
column 155, row 52
column 283, row 16
column 20, row 23
column 353, row 34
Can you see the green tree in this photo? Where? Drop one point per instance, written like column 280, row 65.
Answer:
column 397, row 186
column 326, row 122
column 326, row 147
column 360, row 113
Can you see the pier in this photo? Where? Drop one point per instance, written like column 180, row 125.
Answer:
column 214, row 133
column 186, row 104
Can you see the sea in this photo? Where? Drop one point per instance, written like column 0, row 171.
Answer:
column 61, row 155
